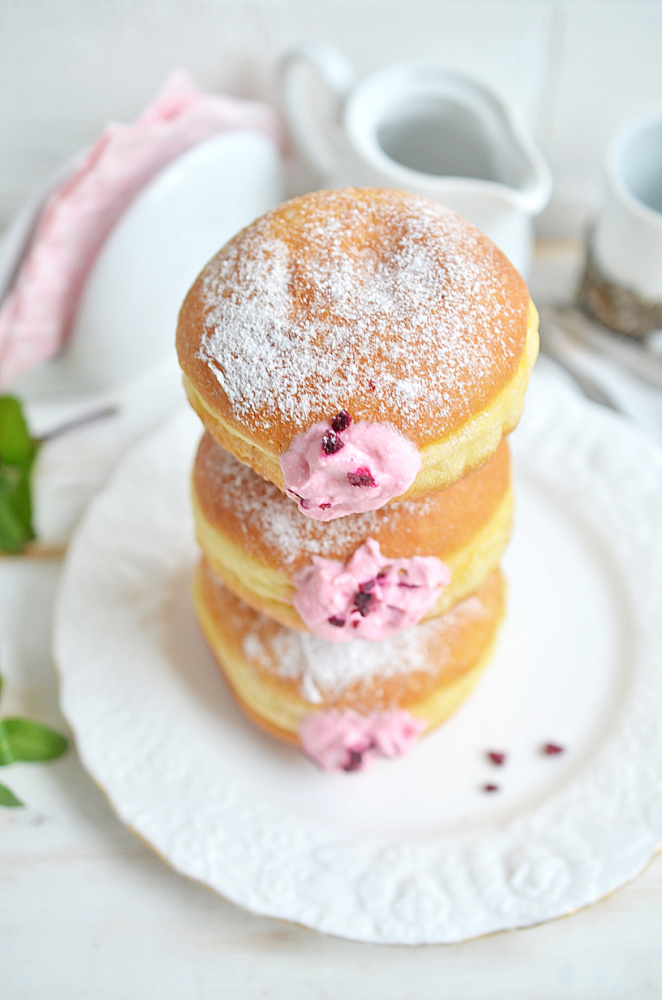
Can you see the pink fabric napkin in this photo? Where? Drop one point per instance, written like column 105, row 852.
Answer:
column 38, row 313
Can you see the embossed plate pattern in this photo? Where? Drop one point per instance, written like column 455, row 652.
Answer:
column 414, row 850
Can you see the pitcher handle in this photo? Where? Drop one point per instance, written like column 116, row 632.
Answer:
column 314, row 137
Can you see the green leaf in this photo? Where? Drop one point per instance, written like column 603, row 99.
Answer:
column 23, row 740
column 18, row 450
column 15, row 512
column 7, row 797
column 17, row 446
column 6, row 752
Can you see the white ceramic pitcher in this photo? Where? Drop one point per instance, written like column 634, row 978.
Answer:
column 435, row 133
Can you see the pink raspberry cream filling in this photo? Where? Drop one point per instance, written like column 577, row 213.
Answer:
column 346, row 741
column 342, row 468
column 368, row 597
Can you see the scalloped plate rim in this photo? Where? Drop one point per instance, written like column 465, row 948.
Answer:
column 559, row 416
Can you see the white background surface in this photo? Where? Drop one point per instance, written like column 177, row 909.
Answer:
column 87, row 910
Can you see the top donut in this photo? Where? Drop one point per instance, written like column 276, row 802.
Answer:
column 357, row 345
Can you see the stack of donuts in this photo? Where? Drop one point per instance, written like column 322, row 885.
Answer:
column 357, row 358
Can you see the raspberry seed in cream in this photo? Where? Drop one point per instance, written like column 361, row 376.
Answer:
column 344, row 467
column 348, row 741
column 368, row 597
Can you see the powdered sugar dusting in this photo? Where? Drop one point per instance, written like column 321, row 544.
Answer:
column 258, row 507
column 325, row 670
column 303, row 309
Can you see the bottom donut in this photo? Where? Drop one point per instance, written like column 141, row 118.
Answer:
column 345, row 704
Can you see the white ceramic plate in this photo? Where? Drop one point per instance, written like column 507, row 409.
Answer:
column 412, row 851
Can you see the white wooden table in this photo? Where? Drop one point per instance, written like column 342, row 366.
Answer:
column 88, row 911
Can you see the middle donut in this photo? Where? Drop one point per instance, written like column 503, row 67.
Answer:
column 368, row 575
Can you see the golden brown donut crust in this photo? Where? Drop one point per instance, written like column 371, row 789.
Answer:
column 373, row 301
column 249, row 648
column 261, row 521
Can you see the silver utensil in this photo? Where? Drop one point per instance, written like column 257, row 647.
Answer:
column 637, row 356
column 558, row 345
